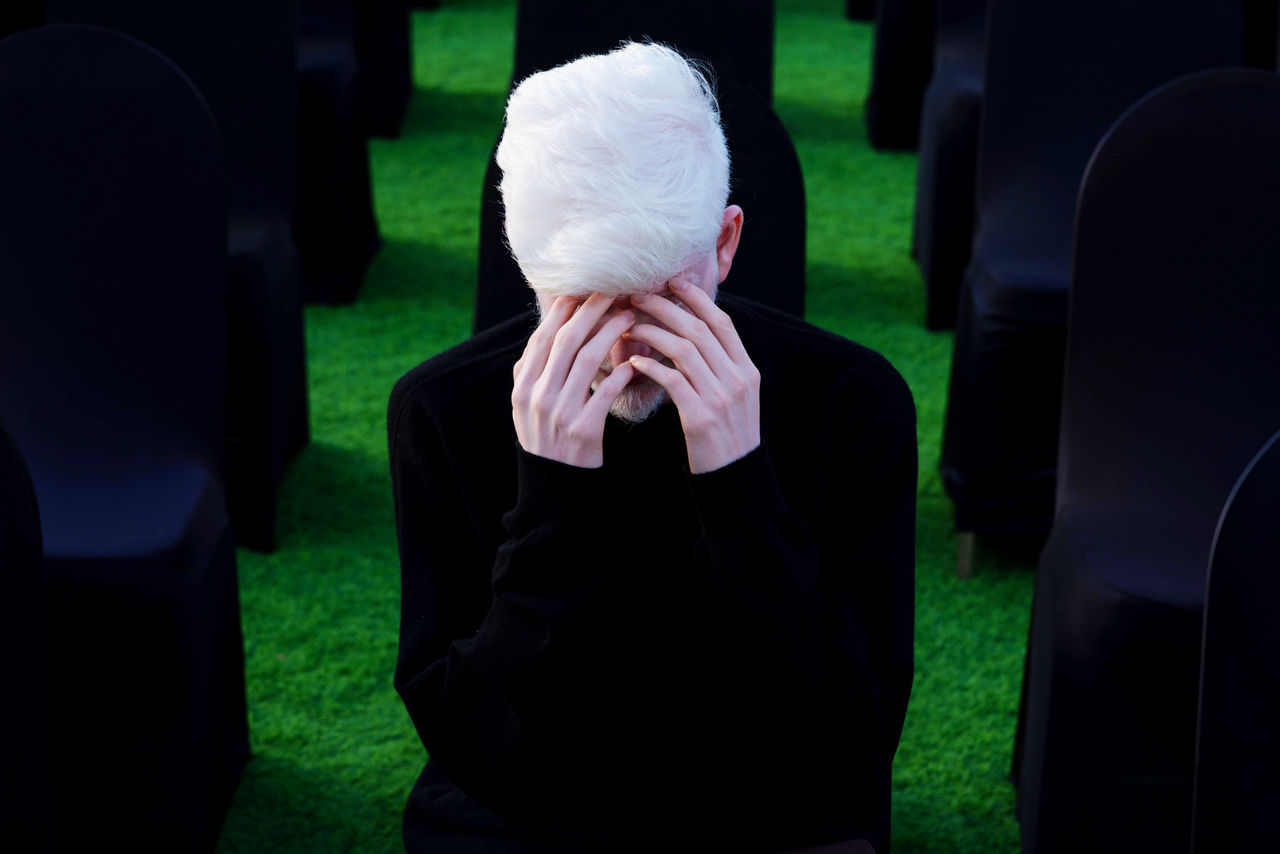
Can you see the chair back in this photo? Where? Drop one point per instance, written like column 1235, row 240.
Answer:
column 1238, row 747
column 26, row 779
column 901, row 65
column 1058, row 74
column 112, row 246
column 738, row 45
column 1171, row 350
column 242, row 56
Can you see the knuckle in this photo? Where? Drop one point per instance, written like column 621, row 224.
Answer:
column 539, row 406
column 578, row 433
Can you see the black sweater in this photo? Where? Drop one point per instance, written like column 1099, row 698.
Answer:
column 634, row 655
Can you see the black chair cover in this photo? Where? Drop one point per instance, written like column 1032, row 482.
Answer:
column 948, row 165
column 385, row 48
column 860, row 10
column 1237, row 744
column 1261, row 34
column 901, row 64
column 1171, row 360
column 252, row 90
column 379, row 33
column 26, row 773
column 113, row 230
column 18, row 15
column 1058, row 73
column 337, row 230
column 766, row 183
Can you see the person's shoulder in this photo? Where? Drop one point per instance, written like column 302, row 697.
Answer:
column 806, row 356
column 459, row 373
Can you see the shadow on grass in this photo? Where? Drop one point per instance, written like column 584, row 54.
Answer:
column 471, row 113
column 422, row 271
column 286, row 808
column 822, row 121
column 335, row 497
column 862, row 295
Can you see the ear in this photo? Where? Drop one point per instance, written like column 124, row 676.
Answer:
column 727, row 242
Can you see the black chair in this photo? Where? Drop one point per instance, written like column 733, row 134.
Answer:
column 19, row 15
column 26, row 774
column 252, row 91
column 378, row 34
column 1262, row 34
column 860, row 10
column 1171, row 358
column 901, row 65
column 948, row 164
column 1057, row 75
column 766, row 183
column 113, row 234
column 337, row 229
column 385, row 49
column 1237, row 745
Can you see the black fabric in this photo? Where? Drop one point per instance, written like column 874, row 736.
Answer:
column 766, row 181
column 1171, row 342
column 860, row 10
column 267, row 411
column 252, row 91
column 943, row 228
column 18, row 15
column 901, row 65
column 738, row 43
column 337, row 230
column 637, row 658
column 385, row 49
column 1237, row 747
column 113, row 352
column 378, row 30
column 1261, row 34
column 1057, row 75
column 26, row 760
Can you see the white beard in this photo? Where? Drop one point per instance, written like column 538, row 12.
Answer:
column 638, row 402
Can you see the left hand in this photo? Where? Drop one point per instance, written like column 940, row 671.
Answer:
column 714, row 384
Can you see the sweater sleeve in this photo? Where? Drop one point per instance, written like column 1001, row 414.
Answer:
column 482, row 638
column 811, row 623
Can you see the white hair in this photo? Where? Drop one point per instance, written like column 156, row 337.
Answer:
column 615, row 172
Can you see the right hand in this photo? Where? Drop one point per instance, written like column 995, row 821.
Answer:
column 556, row 414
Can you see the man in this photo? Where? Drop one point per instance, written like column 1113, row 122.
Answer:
column 656, row 552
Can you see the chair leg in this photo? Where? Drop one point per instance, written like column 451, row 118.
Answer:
column 966, row 545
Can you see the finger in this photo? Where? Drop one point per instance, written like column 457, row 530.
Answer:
column 681, row 351
column 675, row 383
column 706, row 310
column 534, row 359
column 606, row 393
column 690, row 327
column 593, row 353
column 569, row 339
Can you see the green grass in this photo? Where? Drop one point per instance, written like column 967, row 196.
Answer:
column 334, row 751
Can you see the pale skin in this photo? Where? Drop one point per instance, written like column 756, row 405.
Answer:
column 596, row 341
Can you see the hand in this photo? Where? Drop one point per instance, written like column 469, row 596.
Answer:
column 714, row 384
column 555, row 412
